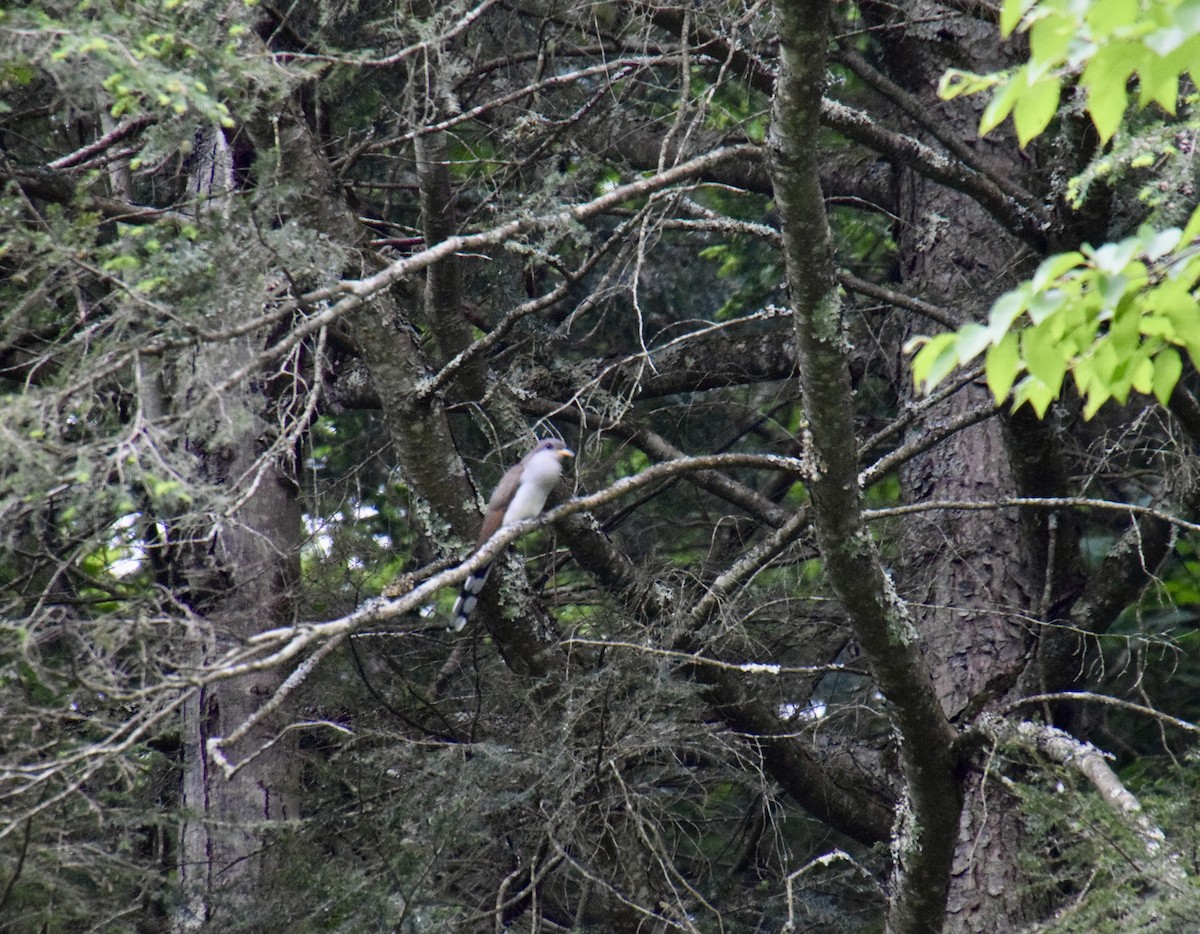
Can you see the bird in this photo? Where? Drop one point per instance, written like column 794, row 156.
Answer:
column 520, row 494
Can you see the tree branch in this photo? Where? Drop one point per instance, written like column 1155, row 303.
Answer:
column 443, row 291
column 1086, row 759
column 116, row 134
column 879, row 617
column 860, row 127
column 917, row 110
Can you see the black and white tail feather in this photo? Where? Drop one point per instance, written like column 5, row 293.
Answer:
column 464, row 606
column 521, row 494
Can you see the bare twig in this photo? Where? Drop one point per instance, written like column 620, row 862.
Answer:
column 1034, row 502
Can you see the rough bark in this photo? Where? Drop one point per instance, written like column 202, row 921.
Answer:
column 972, row 576
column 225, row 848
column 243, row 574
column 443, row 280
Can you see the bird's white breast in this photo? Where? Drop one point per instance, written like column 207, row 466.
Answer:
column 537, row 480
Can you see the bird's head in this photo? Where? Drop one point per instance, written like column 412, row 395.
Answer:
column 563, row 452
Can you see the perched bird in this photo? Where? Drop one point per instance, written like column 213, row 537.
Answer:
column 521, row 494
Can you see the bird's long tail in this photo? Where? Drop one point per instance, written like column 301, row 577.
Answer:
column 468, row 597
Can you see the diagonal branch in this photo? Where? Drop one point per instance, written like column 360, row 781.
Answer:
column 1164, row 865
column 916, row 109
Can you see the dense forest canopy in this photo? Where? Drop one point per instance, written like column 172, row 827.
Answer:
column 869, row 602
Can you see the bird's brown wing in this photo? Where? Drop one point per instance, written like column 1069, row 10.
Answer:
column 501, row 497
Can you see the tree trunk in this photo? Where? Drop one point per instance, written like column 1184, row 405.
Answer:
column 969, row 576
column 242, row 578
column 227, row 819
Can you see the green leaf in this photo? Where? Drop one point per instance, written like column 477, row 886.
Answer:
column 1080, row 331
column 1080, row 54
column 1105, row 362
column 1160, row 243
column 1162, row 42
column 1002, row 365
column 1049, row 39
column 1104, row 78
column 1192, row 229
column 1141, row 374
column 1107, row 16
column 1002, row 102
column 1184, row 316
column 1043, row 356
column 1096, row 398
column 1156, row 325
column 1168, row 367
column 1187, row 15
column 1036, row 393
column 1005, row 311
column 1158, row 78
column 973, row 339
column 1112, row 258
column 957, row 83
column 935, row 361
column 1045, row 304
column 1053, row 267
column 1123, row 331
column 1121, row 386
column 1011, row 14
column 1084, row 374
column 1035, row 108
